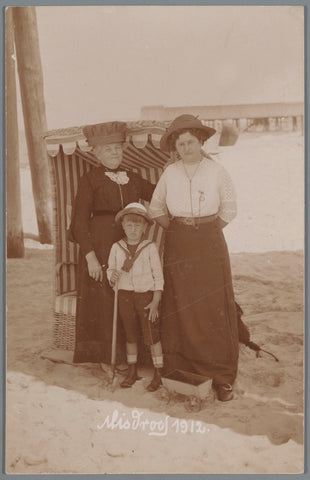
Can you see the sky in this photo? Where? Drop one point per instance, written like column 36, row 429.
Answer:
column 104, row 63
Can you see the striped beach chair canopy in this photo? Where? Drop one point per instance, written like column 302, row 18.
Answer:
column 69, row 158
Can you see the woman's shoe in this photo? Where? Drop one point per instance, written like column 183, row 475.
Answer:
column 224, row 392
column 131, row 376
column 156, row 381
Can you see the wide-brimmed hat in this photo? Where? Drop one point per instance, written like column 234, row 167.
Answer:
column 184, row 122
column 105, row 133
column 137, row 209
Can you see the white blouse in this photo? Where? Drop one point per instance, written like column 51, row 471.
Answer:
column 210, row 191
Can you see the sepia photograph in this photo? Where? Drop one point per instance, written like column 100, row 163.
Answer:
column 155, row 239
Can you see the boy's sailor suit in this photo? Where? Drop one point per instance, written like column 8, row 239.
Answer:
column 141, row 276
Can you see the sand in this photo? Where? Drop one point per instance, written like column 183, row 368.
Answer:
column 65, row 418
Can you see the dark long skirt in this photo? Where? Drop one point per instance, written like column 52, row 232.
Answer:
column 94, row 316
column 199, row 321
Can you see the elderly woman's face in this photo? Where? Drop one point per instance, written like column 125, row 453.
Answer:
column 188, row 147
column 111, row 155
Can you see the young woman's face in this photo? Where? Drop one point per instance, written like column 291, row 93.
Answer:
column 188, row 147
column 111, row 155
column 133, row 230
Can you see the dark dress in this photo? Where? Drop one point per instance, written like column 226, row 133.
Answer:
column 199, row 321
column 93, row 228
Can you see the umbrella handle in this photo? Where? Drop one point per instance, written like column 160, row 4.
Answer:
column 114, row 331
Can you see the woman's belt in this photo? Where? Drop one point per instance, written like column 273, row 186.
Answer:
column 194, row 221
column 97, row 213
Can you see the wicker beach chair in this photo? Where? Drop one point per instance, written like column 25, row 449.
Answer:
column 69, row 158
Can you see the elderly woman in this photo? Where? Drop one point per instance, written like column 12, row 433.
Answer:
column 194, row 199
column 102, row 192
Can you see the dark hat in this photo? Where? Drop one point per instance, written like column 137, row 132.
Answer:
column 184, row 122
column 137, row 209
column 105, row 133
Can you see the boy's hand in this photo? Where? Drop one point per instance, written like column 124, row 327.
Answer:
column 115, row 276
column 153, row 307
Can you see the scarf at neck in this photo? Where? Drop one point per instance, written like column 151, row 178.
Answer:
column 130, row 259
column 117, row 175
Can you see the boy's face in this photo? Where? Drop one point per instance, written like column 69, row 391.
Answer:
column 133, row 230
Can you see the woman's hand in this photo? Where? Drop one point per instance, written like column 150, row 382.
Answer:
column 163, row 221
column 94, row 268
column 222, row 223
column 115, row 276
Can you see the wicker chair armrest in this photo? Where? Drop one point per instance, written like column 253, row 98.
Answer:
column 59, row 266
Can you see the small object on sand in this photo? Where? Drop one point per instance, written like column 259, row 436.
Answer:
column 195, row 387
column 193, row 404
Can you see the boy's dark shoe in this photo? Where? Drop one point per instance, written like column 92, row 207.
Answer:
column 156, row 381
column 131, row 376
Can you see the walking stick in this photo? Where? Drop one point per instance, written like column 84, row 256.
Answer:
column 114, row 333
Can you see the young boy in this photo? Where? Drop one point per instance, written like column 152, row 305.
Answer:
column 134, row 264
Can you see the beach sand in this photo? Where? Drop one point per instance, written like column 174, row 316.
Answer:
column 59, row 415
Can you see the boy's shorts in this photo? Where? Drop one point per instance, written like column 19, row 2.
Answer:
column 135, row 318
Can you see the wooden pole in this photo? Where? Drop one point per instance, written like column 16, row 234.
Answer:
column 32, row 95
column 14, row 228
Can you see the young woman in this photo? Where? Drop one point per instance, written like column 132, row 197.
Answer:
column 194, row 199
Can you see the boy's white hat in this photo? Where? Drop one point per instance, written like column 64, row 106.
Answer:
column 136, row 208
